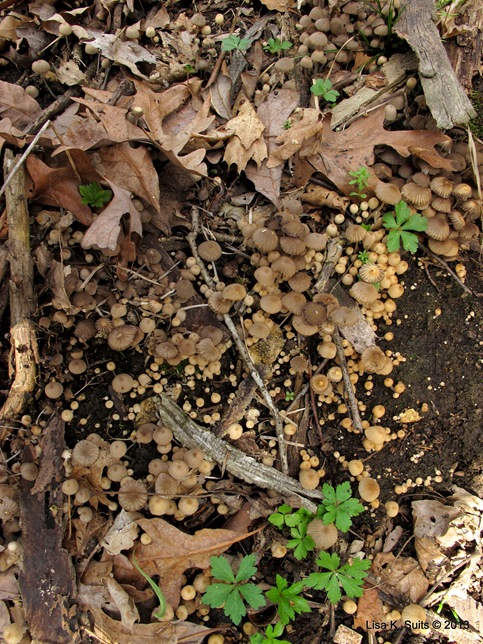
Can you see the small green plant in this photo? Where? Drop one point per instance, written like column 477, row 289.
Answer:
column 271, row 635
column 301, row 542
column 159, row 614
column 363, row 256
column 232, row 43
column 234, row 589
column 338, row 506
column 350, row 576
column 287, row 599
column 289, row 395
column 360, row 178
column 288, row 124
column 400, row 223
column 275, row 46
column 94, row 195
column 189, row 69
column 323, row 87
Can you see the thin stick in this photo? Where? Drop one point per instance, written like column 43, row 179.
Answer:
column 334, row 251
column 23, row 157
column 241, row 346
column 354, row 408
column 446, row 266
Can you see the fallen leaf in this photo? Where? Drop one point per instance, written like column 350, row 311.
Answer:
column 124, row 603
column 430, row 557
column 278, row 5
column 126, row 53
column 432, row 518
column 402, row 574
column 304, row 137
column 62, row 281
column 171, row 552
column 105, row 230
column 246, row 125
column 69, row 73
column 122, row 534
column 17, row 105
column 369, row 610
column 273, row 113
column 319, row 196
column 352, row 148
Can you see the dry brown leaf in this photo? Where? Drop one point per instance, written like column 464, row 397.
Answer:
column 220, row 95
column 402, row 574
column 432, row 518
column 133, row 169
column 124, row 603
column 172, row 552
column 273, row 113
column 126, row 53
column 9, row 584
column 69, row 73
column 352, row 148
column 108, row 630
column 319, row 196
column 122, row 534
column 246, row 125
column 62, row 281
column 240, row 156
column 303, row 137
column 430, row 557
column 17, row 105
column 105, row 230
column 278, row 5
column 369, row 610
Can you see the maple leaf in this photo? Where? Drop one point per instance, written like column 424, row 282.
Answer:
column 171, row 552
column 347, row 150
column 105, row 230
column 246, row 125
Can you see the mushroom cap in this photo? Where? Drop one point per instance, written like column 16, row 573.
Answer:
column 328, row 300
column 442, row 205
column 442, row 186
column 85, row 329
column 104, row 325
column 468, row 231
column 116, row 472
column 293, row 245
column 84, row 301
column 259, row 330
column 299, row 364
column 316, row 241
column 210, row 251
column 417, row 195
column 264, row 275
column 462, row 191
column 371, row 273
column 193, row 457
column 178, row 470
column 314, row 313
column 85, row 453
column 309, row 479
column 472, row 209
column 218, row 304
column 122, row 383
column 294, row 228
column 234, row 292
column 132, row 494
column 122, row 337
column 327, row 350
column 413, row 613
column 285, row 266
column 457, row 220
column 212, row 332
column 364, row 293
column 184, row 290
column 388, row 193
column 376, row 434
column 207, row 350
column 163, row 435
column 285, row 65
column 301, row 326
column 166, row 350
column 118, row 310
column 77, row 366
column 271, row 303
column 144, row 433
column 355, row 233
column 438, row 228
column 294, row 302
column 265, row 240
column 373, row 359
column 446, row 248
column 344, row 316
column 188, row 505
column 324, row 536
column 421, row 179
column 54, row 389
column 166, row 485
column 319, row 383
column 369, row 489
column 300, row 282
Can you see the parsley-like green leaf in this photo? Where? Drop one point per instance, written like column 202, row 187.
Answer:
column 287, row 599
column 247, row 568
column 233, row 42
column 234, row 608
column 94, row 195
column 253, row 595
column 389, row 221
column 221, row 569
column 217, row 594
column 350, row 576
column 417, row 222
column 393, row 242
column 410, row 241
column 338, row 506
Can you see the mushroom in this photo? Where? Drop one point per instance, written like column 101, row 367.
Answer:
column 285, row 266
column 85, row 453
column 210, row 251
column 122, row 337
column 54, row 389
column 355, row 233
column 316, row 241
column 309, row 479
column 368, row 489
column 166, row 485
column 314, row 313
column 264, row 276
column 371, row 273
column 300, row 282
column 178, row 470
column 417, row 195
column 294, row 302
column 344, row 316
column 293, row 245
column 373, row 359
column 77, row 366
column 271, row 303
column 132, row 494
column 218, row 304
column 319, row 383
column 388, row 193
column 324, row 536
column 265, row 239
column 462, row 191
column 442, row 186
column 85, row 329
column 301, row 326
column 122, row 383
column 364, row 293
column 234, row 292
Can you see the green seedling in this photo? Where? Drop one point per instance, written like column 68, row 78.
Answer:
column 234, row 589
column 94, row 195
column 287, row 599
column 363, row 256
column 322, row 87
column 301, row 542
column 275, row 46
column 289, row 395
column 287, row 124
column 338, row 506
column 271, row 635
column 400, row 223
column 235, row 43
column 360, row 178
column 159, row 614
column 350, row 577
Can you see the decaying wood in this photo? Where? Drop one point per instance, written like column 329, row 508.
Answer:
column 444, row 95
column 22, row 300
column 465, row 47
column 395, row 70
column 47, row 577
column 192, row 436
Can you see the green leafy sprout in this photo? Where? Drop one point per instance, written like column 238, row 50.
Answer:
column 350, row 577
column 271, row 635
column 275, row 45
column 287, row 599
column 287, row 124
column 234, row 589
column 301, row 542
column 360, row 178
column 289, row 395
column 400, row 223
column 338, row 506
column 232, row 43
column 323, row 87
column 94, row 195
column 159, row 613
column 363, row 256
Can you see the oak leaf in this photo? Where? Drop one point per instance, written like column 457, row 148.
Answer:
column 171, row 552
column 303, row 136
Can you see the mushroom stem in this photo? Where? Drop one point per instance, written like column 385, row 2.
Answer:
column 241, row 347
column 192, row 436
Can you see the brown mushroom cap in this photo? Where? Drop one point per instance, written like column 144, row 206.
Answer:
column 178, row 470
column 294, row 302
column 371, row 273
column 364, row 293
column 299, row 364
column 85, row 330
column 355, row 233
column 218, row 304
column 265, row 240
column 438, row 228
column 301, row 326
column 207, row 350
column 132, row 494
column 309, row 479
column 462, row 191
column 316, row 241
column 419, row 196
column 319, row 383
column 122, row 383
column 300, row 282
column 264, row 275
column 234, row 292
column 472, row 209
column 442, row 186
column 369, row 489
column 293, row 245
column 210, row 251
column 77, row 366
column 54, row 389
column 271, row 303
column 85, row 453
column 259, row 330
column 166, row 350
column 388, row 193
column 285, row 266
column 344, row 316
column 212, row 332
column 324, row 536
column 373, row 359
column 314, row 313
column 122, row 337
column 442, row 205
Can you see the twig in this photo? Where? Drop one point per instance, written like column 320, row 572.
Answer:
column 314, row 407
column 446, row 266
column 334, row 251
column 241, row 346
column 354, row 408
column 24, row 156
column 192, row 436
